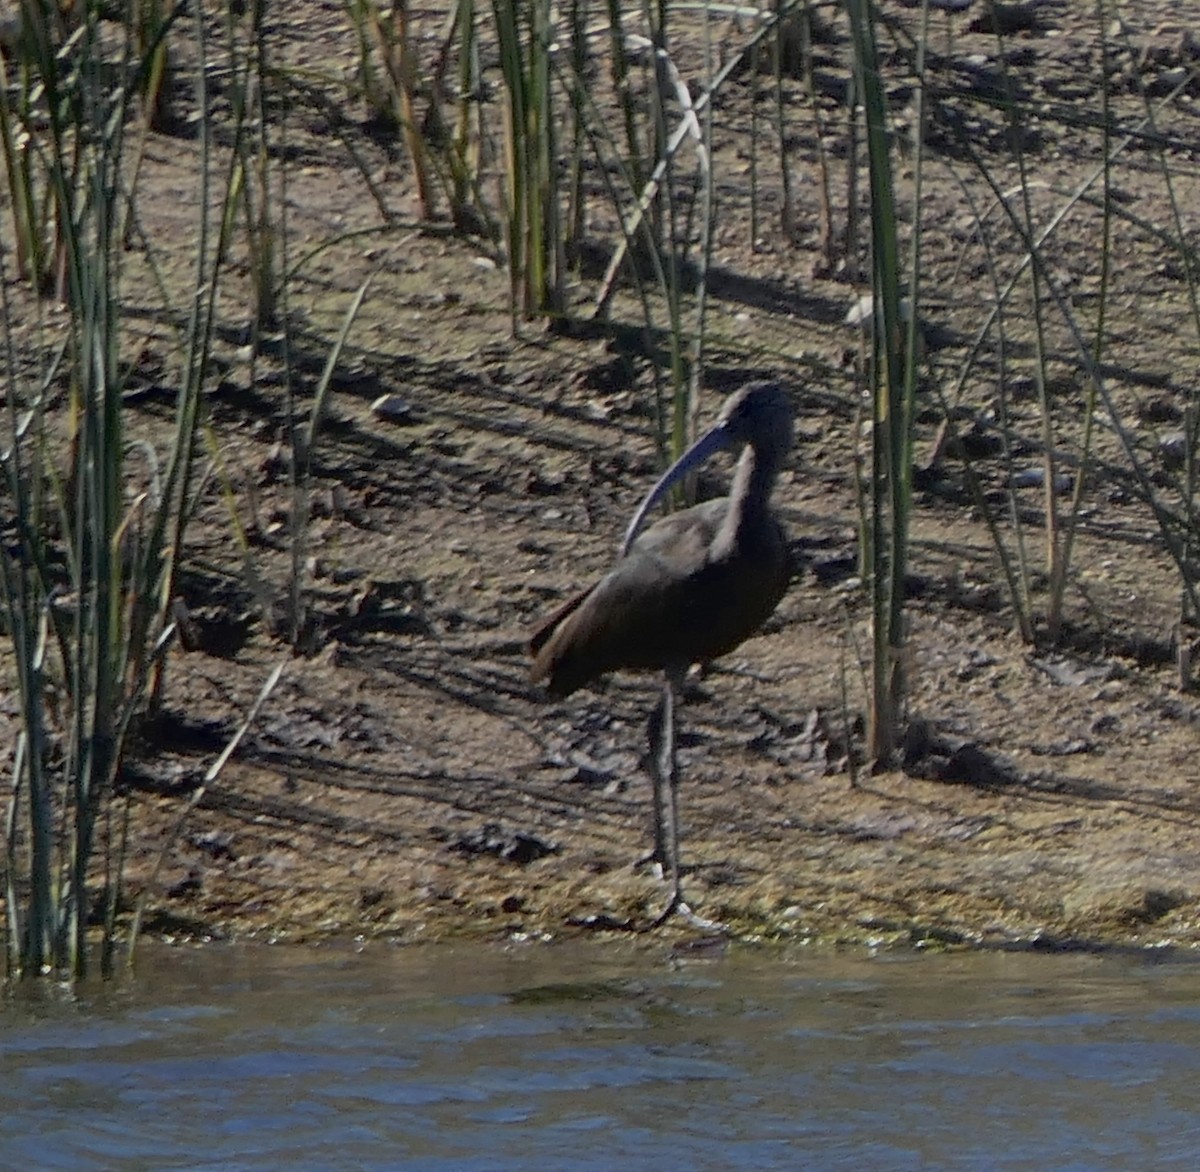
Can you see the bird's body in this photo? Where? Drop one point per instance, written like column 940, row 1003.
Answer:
column 675, row 599
column 688, row 590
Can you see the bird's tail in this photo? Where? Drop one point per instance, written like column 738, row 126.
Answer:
column 541, row 645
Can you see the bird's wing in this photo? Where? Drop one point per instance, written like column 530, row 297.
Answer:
column 631, row 617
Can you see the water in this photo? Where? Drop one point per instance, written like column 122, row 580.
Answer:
column 594, row 1056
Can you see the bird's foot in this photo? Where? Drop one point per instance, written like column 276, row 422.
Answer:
column 678, row 906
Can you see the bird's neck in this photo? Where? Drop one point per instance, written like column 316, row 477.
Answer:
column 749, row 498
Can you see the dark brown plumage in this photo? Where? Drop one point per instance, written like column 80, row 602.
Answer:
column 688, row 590
column 695, row 584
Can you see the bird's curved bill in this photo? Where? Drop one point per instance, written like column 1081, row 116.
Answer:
column 713, row 441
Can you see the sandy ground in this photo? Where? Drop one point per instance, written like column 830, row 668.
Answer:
column 405, row 780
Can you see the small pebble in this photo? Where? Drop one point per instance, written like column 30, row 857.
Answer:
column 392, row 408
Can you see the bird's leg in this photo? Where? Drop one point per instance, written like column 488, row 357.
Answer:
column 665, row 778
column 664, row 765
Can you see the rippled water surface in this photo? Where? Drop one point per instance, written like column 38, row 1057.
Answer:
column 596, row 1056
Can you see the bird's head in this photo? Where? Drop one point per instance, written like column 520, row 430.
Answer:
column 757, row 415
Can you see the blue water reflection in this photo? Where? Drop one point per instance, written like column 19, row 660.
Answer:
column 594, row 1055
